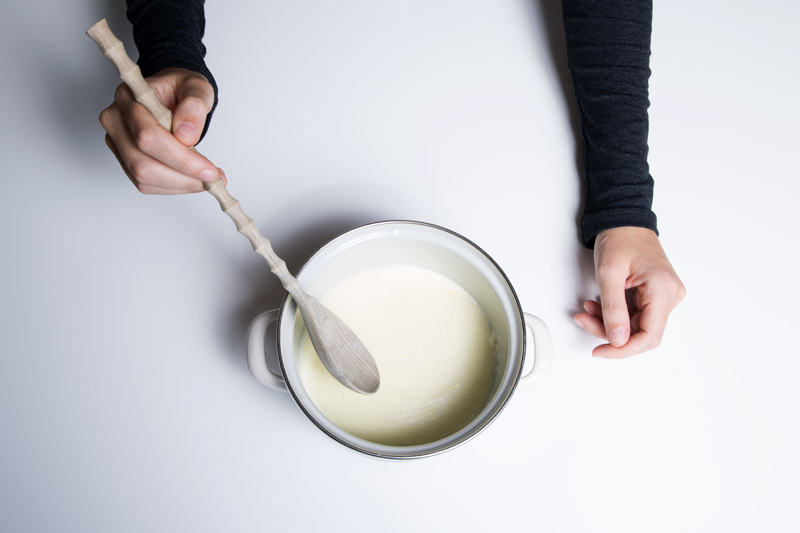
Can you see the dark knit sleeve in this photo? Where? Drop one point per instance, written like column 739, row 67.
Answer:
column 608, row 51
column 169, row 33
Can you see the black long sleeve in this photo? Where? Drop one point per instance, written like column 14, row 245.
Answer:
column 169, row 33
column 608, row 51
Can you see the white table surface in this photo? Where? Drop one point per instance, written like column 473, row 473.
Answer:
column 125, row 401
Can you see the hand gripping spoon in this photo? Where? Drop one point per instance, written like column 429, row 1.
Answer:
column 345, row 357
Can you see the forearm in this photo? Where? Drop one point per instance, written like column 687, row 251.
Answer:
column 169, row 33
column 608, row 49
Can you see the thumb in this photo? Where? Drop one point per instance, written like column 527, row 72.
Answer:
column 195, row 100
column 615, row 308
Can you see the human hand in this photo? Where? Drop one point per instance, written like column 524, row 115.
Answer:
column 630, row 259
column 155, row 160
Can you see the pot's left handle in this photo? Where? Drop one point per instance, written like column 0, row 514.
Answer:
column 256, row 360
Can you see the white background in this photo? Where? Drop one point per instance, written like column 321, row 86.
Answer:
column 125, row 401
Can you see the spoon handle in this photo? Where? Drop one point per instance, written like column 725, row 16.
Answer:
column 230, row 206
column 129, row 71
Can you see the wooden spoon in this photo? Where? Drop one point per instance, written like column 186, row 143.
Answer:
column 345, row 357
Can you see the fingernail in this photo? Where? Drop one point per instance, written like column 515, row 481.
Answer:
column 578, row 321
column 186, row 130
column 208, row 175
column 616, row 337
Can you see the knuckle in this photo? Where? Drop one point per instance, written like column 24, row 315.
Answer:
column 145, row 189
column 681, row 292
column 195, row 105
column 105, row 119
column 611, row 269
column 672, row 290
column 613, row 306
column 606, row 267
column 649, row 342
column 653, row 343
column 145, row 139
column 140, row 171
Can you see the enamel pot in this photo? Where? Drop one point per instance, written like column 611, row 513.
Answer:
column 426, row 246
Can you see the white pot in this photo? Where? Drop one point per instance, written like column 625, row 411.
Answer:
column 418, row 244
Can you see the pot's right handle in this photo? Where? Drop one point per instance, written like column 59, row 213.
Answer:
column 256, row 360
column 542, row 349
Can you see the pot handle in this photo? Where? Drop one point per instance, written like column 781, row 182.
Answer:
column 256, row 362
column 542, row 350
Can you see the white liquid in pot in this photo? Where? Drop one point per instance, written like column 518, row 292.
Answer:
column 434, row 348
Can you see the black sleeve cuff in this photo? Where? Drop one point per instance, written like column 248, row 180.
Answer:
column 594, row 223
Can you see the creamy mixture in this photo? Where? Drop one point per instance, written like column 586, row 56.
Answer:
column 434, row 348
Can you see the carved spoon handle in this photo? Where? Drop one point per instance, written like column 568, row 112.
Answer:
column 342, row 353
column 129, row 71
